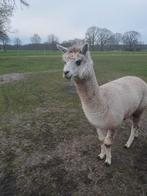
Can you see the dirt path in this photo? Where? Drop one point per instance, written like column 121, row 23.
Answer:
column 7, row 78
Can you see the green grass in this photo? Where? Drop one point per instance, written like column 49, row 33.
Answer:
column 121, row 65
column 28, row 53
column 29, row 64
column 105, row 62
column 38, row 90
column 47, row 146
column 43, row 88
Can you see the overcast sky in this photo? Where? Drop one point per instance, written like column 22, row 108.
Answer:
column 70, row 19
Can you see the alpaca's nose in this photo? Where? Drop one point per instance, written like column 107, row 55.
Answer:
column 66, row 72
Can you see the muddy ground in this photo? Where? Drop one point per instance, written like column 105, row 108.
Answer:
column 53, row 152
column 7, row 78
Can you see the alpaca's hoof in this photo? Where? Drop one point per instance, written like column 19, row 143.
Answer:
column 107, row 163
column 136, row 136
column 126, row 146
column 136, row 133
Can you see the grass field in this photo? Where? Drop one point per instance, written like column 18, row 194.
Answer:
column 47, row 147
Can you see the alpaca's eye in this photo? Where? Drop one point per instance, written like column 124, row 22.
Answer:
column 78, row 62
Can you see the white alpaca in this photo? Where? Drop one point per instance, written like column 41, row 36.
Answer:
column 108, row 105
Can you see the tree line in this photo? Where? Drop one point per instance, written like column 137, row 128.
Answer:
column 97, row 38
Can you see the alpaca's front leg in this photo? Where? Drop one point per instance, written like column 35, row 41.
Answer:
column 103, row 152
column 101, row 136
column 108, row 155
column 108, row 142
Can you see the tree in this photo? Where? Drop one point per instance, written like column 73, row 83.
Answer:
column 36, row 39
column 13, row 2
column 7, row 8
column 91, row 36
column 24, row 2
column 2, row 35
column 17, row 42
column 5, row 13
column 98, row 36
column 51, row 39
column 131, row 39
column 4, row 39
column 103, row 37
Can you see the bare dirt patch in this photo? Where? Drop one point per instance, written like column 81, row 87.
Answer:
column 7, row 78
column 43, row 153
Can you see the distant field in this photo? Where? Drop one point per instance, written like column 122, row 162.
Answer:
column 28, row 53
column 47, row 147
column 104, row 62
column 49, row 52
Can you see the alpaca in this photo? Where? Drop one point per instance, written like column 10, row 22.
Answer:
column 105, row 106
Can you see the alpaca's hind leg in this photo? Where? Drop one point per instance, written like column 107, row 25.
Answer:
column 101, row 136
column 136, row 120
column 136, row 132
column 131, row 138
column 134, row 129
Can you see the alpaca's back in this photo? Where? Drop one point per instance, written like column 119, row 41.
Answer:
column 125, row 95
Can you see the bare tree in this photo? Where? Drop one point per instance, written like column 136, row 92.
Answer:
column 7, row 8
column 2, row 35
column 5, row 13
column 35, row 39
column 17, row 42
column 131, row 39
column 103, row 37
column 13, row 2
column 24, row 2
column 52, row 39
column 4, row 39
column 91, row 36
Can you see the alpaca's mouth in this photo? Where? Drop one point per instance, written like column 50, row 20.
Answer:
column 68, row 77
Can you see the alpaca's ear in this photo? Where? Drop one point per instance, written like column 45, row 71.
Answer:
column 84, row 49
column 61, row 48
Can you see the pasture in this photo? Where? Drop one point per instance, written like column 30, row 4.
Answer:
column 47, row 147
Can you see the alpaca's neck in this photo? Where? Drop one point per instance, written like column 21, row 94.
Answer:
column 89, row 93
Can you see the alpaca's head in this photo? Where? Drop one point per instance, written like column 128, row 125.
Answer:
column 78, row 63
